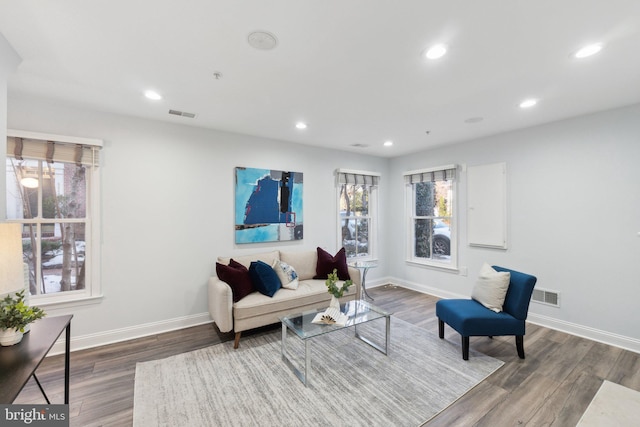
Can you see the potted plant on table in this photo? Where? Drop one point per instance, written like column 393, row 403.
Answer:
column 335, row 291
column 14, row 316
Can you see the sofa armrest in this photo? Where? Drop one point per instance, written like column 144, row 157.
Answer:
column 221, row 304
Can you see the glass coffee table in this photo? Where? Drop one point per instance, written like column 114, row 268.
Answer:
column 357, row 311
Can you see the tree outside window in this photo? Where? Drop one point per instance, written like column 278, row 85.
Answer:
column 52, row 210
column 355, row 219
column 51, row 191
column 357, row 212
column 431, row 220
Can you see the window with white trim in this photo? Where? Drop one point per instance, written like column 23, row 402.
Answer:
column 430, row 195
column 357, row 212
column 52, row 190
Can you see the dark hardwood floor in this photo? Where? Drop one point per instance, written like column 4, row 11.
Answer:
column 551, row 387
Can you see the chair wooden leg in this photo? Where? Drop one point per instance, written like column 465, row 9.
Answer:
column 236, row 343
column 520, row 346
column 441, row 328
column 465, row 348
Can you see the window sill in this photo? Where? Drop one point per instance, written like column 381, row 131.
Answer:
column 434, row 266
column 57, row 303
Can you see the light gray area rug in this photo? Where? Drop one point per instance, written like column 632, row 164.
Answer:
column 352, row 384
column 613, row 405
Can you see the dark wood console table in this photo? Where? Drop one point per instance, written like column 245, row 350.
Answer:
column 19, row 362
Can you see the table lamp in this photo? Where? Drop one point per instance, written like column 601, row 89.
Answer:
column 11, row 263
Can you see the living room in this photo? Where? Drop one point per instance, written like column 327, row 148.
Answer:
column 167, row 190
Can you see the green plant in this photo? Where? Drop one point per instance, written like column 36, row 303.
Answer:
column 14, row 313
column 332, row 279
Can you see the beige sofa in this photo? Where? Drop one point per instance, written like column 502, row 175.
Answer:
column 257, row 309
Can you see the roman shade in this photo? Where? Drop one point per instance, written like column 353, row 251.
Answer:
column 348, row 176
column 82, row 152
column 442, row 173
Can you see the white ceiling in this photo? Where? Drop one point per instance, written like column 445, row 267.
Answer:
column 352, row 69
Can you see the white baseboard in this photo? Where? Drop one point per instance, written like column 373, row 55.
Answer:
column 627, row 343
column 124, row 334
column 422, row 288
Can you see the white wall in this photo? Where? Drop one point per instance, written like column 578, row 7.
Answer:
column 573, row 220
column 167, row 210
column 9, row 60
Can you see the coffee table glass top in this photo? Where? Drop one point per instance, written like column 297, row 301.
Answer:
column 357, row 311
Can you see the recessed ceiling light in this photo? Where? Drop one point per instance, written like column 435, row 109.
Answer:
column 528, row 103
column 153, row 95
column 436, row 51
column 301, row 125
column 589, row 50
column 388, row 143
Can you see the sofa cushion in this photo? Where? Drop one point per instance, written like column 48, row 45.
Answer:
column 266, row 257
column 286, row 301
column 304, row 262
column 237, row 277
column 287, row 274
column 327, row 263
column 491, row 288
column 264, row 278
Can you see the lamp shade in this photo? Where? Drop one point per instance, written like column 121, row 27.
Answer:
column 11, row 263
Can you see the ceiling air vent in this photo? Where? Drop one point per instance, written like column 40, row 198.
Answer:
column 182, row 113
column 359, row 145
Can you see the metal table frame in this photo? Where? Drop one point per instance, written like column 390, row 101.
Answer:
column 365, row 266
column 303, row 375
column 19, row 362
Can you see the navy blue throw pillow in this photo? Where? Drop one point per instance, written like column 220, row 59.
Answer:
column 264, row 278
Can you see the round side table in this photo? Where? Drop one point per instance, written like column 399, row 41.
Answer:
column 364, row 266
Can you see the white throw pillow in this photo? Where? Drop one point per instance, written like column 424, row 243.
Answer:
column 287, row 275
column 491, row 288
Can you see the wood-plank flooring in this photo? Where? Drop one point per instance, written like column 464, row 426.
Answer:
column 551, row 387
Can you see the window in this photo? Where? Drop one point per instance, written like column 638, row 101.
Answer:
column 430, row 203
column 52, row 185
column 357, row 212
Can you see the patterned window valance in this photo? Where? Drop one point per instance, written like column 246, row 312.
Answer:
column 347, row 176
column 80, row 151
column 442, row 173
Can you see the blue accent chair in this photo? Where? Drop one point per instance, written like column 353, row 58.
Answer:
column 471, row 319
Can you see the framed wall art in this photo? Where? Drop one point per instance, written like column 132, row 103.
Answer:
column 268, row 205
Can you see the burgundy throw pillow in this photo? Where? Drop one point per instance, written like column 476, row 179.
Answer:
column 235, row 264
column 237, row 276
column 327, row 262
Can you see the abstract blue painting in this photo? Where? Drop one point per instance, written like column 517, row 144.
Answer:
column 268, row 205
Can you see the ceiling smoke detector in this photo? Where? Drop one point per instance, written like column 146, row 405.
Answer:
column 262, row 40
